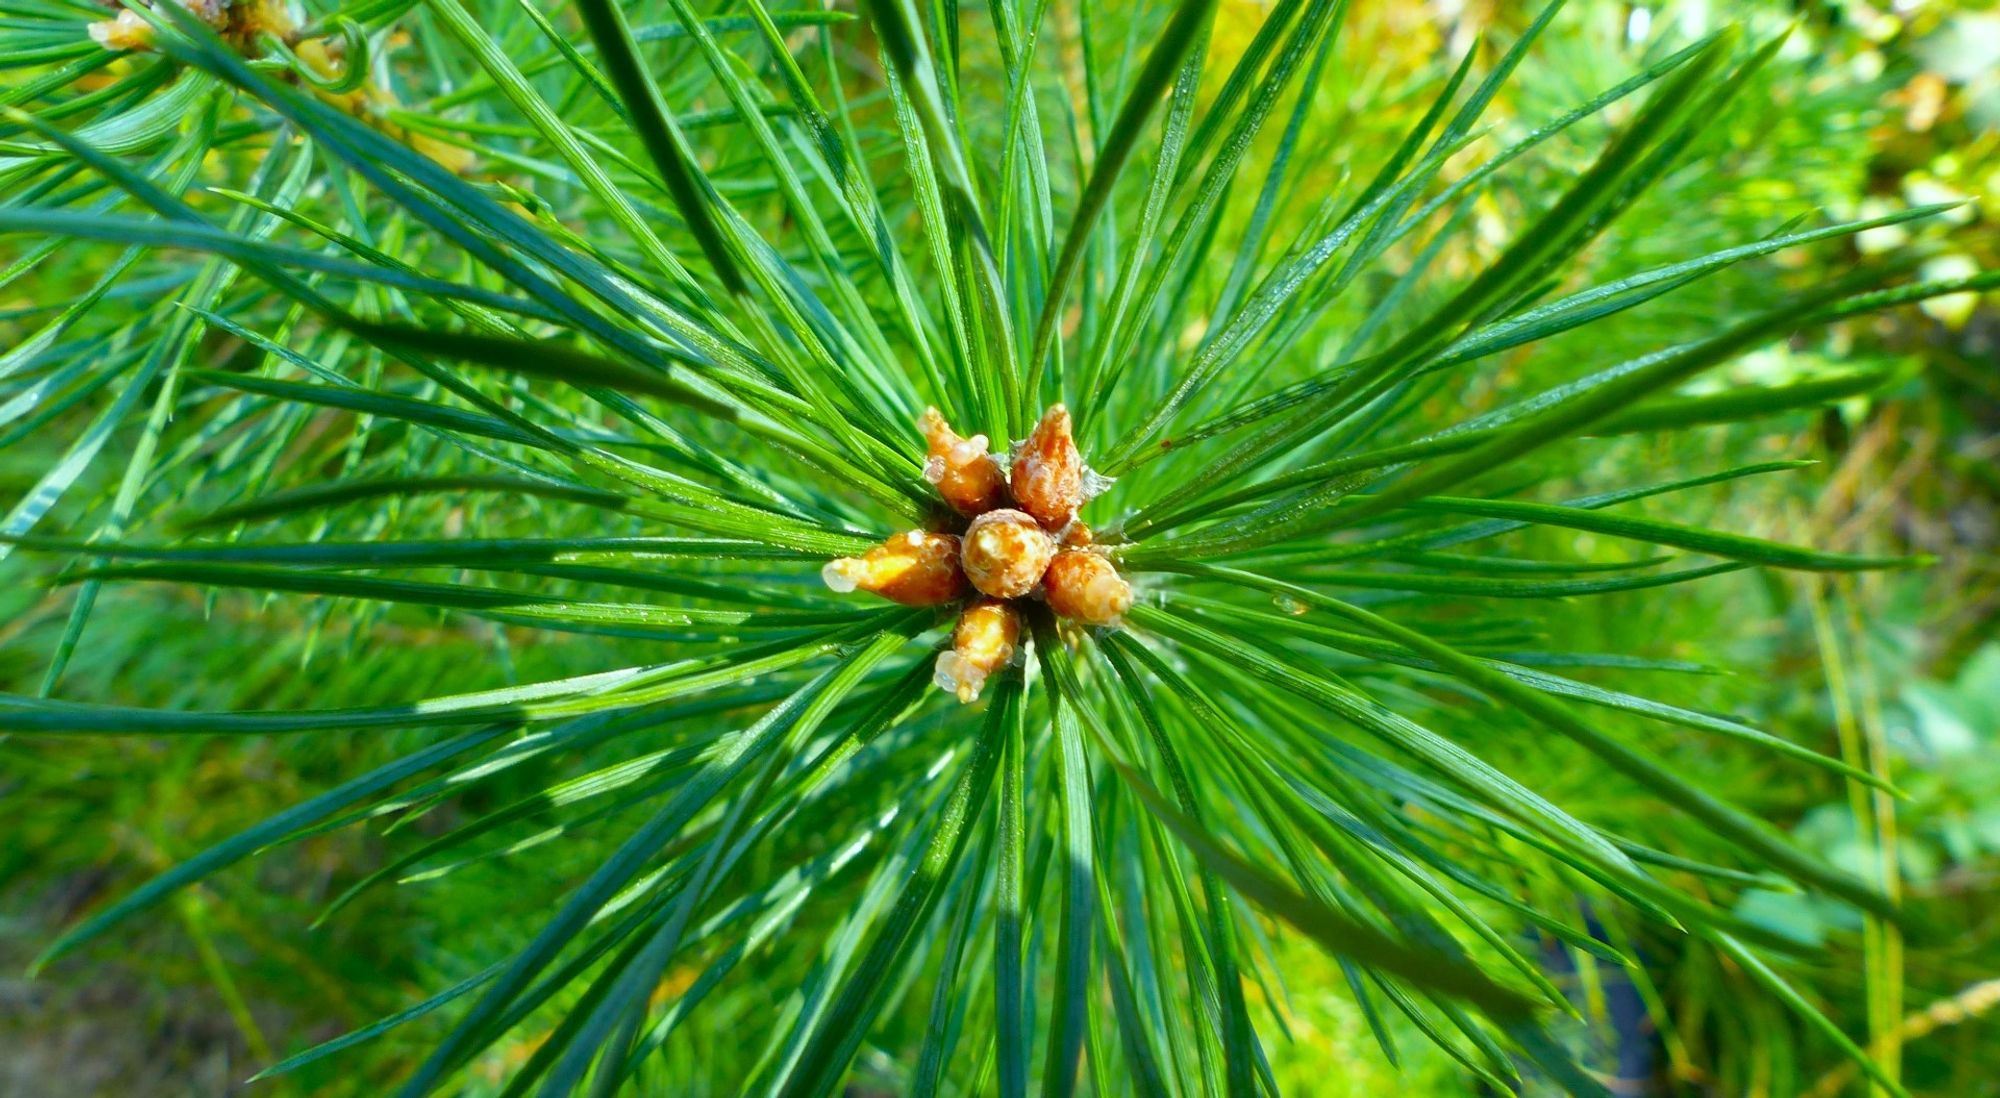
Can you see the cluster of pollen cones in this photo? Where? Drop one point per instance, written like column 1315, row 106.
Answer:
column 236, row 20
column 1024, row 541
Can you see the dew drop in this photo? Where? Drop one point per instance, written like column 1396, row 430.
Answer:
column 1289, row 605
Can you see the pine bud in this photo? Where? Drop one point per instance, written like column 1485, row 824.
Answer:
column 1085, row 587
column 1006, row 553
column 982, row 644
column 1048, row 471
column 126, row 31
column 916, row 569
column 962, row 470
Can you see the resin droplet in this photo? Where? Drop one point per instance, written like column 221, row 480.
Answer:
column 1048, row 471
column 982, row 644
column 1289, row 605
column 1006, row 553
column 916, row 569
column 962, row 470
column 1085, row 587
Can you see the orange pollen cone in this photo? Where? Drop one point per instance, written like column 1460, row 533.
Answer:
column 1048, row 471
column 961, row 469
column 983, row 643
column 1006, row 553
column 1085, row 587
column 918, row 568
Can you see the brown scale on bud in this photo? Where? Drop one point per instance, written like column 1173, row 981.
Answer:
column 1048, row 479
column 1006, row 553
column 918, row 568
column 983, row 643
column 964, row 473
column 1085, row 587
